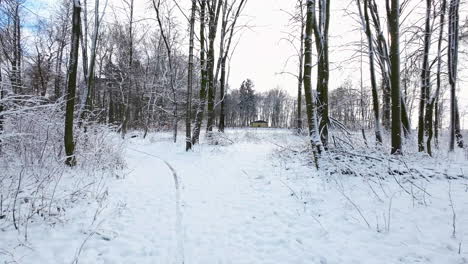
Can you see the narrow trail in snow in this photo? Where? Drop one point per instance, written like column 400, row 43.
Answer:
column 249, row 202
column 178, row 225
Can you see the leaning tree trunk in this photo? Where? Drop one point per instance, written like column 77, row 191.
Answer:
column 393, row 13
column 370, row 44
column 71, row 91
column 310, row 104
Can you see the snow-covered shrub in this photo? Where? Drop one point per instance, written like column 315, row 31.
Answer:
column 34, row 181
column 218, row 138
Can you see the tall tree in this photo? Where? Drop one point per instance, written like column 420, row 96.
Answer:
column 90, row 81
column 165, row 37
column 214, row 9
column 203, row 66
column 453, row 38
column 2, row 107
column 384, row 63
column 71, row 90
column 310, row 102
column 64, row 23
column 11, row 42
column 432, row 114
column 188, row 114
column 393, row 14
column 227, row 35
column 366, row 23
column 320, row 29
column 425, row 77
column 300, row 77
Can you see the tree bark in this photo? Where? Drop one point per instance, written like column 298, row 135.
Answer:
column 425, row 78
column 71, row 90
column 16, row 80
column 453, row 33
column 214, row 12
column 92, row 61
column 310, row 104
column 433, row 126
column 393, row 13
column 320, row 29
column 188, row 114
column 370, row 44
column 301, row 71
column 202, row 93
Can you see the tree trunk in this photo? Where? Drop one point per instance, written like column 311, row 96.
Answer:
column 202, row 103
column 405, row 120
column 310, row 104
column 425, row 78
column 321, row 42
column 92, row 61
column 188, row 117
column 71, row 90
column 393, row 13
column 458, row 131
column 2, row 107
column 214, row 11
column 452, row 67
column 433, row 127
column 386, row 103
column 370, row 44
column 222, row 94
column 301, row 75
column 16, row 81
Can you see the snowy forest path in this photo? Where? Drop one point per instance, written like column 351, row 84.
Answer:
column 234, row 208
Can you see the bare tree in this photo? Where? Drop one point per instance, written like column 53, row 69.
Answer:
column 90, row 78
column 62, row 31
column 301, row 68
column 71, row 79
column 203, row 66
column 366, row 23
column 393, row 14
column 453, row 39
column 188, row 117
column 383, row 60
column 11, row 42
column 425, row 77
column 214, row 9
column 320, row 29
column 310, row 102
column 157, row 8
column 227, row 35
column 433, row 127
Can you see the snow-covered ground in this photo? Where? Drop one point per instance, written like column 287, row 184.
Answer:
column 256, row 198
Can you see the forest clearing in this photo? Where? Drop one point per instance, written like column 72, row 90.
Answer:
column 249, row 199
column 233, row 131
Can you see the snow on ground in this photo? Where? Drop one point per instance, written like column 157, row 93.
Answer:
column 256, row 198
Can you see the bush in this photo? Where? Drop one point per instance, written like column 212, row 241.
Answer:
column 34, row 181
